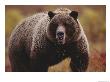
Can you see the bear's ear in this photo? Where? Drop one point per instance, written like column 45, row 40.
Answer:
column 51, row 14
column 74, row 14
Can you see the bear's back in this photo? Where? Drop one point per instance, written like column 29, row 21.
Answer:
column 23, row 32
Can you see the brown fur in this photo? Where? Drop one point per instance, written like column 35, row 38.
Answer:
column 33, row 46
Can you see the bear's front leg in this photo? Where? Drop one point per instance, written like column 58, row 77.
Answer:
column 38, row 62
column 79, row 62
column 39, row 65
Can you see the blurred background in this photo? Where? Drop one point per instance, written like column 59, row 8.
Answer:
column 92, row 18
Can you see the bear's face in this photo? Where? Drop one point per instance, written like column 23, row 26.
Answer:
column 63, row 27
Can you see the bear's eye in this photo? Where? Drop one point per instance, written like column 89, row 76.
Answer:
column 66, row 25
column 53, row 25
column 69, row 26
column 70, row 30
column 52, row 28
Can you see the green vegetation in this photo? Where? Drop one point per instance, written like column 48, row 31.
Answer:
column 12, row 17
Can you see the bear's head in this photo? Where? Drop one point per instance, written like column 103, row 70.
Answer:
column 63, row 27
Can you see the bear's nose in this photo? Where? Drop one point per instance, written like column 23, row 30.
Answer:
column 60, row 35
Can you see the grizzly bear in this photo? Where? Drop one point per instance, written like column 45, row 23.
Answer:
column 45, row 39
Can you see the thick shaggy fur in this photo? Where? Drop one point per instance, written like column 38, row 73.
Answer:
column 33, row 46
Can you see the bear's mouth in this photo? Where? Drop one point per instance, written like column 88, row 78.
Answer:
column 60, row 36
